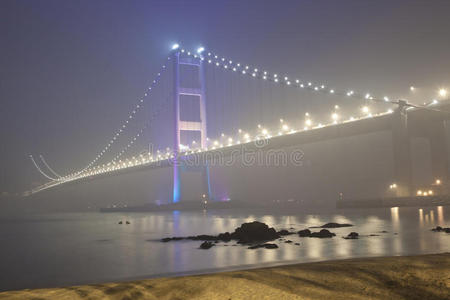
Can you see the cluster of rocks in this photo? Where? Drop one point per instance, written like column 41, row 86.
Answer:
column 441, row 229
column 352, row 236
column 324, row 233
column 247, row 233
column 126, row 222
column 254, row 233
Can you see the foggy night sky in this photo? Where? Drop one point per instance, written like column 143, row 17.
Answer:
column 71, row 70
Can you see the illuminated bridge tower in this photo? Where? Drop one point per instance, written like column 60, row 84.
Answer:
column 190, row 118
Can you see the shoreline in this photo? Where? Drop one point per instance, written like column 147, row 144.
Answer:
column 400, row 277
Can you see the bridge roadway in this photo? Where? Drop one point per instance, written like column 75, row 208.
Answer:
column 417, row 118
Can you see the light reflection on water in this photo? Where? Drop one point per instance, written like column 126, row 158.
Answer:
column 62, row 249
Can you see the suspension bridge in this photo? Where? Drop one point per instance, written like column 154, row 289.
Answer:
column 213, row 107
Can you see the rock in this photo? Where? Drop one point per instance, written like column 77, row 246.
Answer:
column 168, row 239
column 202, row 237
column 384, row 231
column 297, row 244
column 439, row 229
column 267, row 246
column 335, row 225
column 288, row 241
column 284, row 232
column 304, row 233
column 120, row 222
column 206, row 245
column 254, row 232
column 226, row 237
column 324, row 233
column 127, row 222
column 374, row 235
column 352, row 236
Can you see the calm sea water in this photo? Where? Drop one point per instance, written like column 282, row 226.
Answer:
column 66, row 249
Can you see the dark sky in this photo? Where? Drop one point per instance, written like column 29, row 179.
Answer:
column 70, row 69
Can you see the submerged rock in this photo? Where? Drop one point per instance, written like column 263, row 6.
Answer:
column 206, row 245
column 334, row 225
column 285, row 232
column 439, row 229
column 324, row 233
column 168, row 239
column 267, row 246
column 352, row 236
column 304, row 233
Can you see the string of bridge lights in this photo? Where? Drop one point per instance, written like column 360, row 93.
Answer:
column 259, row 73
column 141, row 131
column 124, row 124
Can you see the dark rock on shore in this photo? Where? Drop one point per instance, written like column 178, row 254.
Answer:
column 333, row 225
column 304, row 233
column 352, row 236
column 288, row 241
column 324, row 233
column 439, row 229
column 267, row 246
column 297, row 244
column 206, row 245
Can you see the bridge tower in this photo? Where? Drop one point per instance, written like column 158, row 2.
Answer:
column 196, row 96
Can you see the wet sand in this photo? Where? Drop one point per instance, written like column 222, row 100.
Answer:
column 408, row 277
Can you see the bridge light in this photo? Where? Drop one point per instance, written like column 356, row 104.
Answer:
column 336, row 106
column 276, row 80
column 386, row 99
column 367, row 96
column 331, row 91
column 306, row 113
column 308, row 122
column 442, row 92
column 438, row 181
column 335, row 116
column 246, row 136
column 265, row 132
column 365, row 109
column 285, row 127
column 412, row 88
column 430, row 192
column 175, row 46
column 434, row 101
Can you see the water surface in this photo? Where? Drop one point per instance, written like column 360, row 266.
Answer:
column 66, row 249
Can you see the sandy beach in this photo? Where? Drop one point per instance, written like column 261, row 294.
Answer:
column 408, row 277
